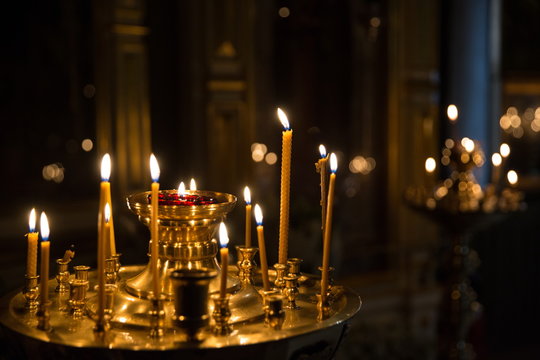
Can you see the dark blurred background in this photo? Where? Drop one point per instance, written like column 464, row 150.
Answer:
column 198, row 83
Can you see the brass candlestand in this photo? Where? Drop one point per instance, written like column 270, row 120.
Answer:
column 31, row 292
column 460, row 205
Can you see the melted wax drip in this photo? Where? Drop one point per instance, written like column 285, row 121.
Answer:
column 184, row 200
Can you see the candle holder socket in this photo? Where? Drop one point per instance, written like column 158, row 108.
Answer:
column 290, row 292
column 221, row 315
column 110, row 290
column 246, row 264
column 294, row 267
column 274, row 315
column 81, row 272
column 117, row 265
column 77, row 297
column 330, row 277
column 31, row 292
column 62, row 276
column 44, row 316
column 323, row 307
column 110, row 271
column 157, row 318
column 191, row 299
column 279, row 283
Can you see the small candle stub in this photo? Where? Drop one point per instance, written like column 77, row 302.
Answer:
column 183, row 200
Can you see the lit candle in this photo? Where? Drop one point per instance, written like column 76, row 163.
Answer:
column 154, row 172
column 104, row 198
column 328, row 226
column 285, row 187
column 192, row 185
column 44, row 269
column 181, row 189
column 247, row 198
column 102, row 251
column 321, row 168
column 496, row 160
column 512, row 177
column 31, row 258
column 262, row 247
column 224, row 252
column 452, row 113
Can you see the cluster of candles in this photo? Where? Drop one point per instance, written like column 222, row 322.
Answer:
column 106, row 239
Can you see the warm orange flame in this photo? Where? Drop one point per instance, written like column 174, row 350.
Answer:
column 322, row 150
column 430, row 165
column 247, row 195
column 512, row 177
column 283, row 118
column 44, row 227
column 258, row 214
column 496, row 159
column 333, row 162
column 223, row 235
column 154, row 168
column 107, row 212
column 504, row 150
column 105, row 167
column 181, row 189
column 192, row 184
column 32, row 220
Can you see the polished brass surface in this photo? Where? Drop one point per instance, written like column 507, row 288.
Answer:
column 43, row 316
column 130, row 323
column 31, row 292
column 186, row 238
column 81, row 272
column 281, row 270
column 274, row 315
column 290, row 292
column 77, row 297
column 62, row 276
column 246, row 263
column 221, row 315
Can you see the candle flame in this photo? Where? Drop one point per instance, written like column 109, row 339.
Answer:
column 468, row 144
column 181, row 189
column 496, row 159
column 154, row 168
column 223, row 235
column 512, row 177
column 192, row 184
column 247, row 195
column 107, row 212
column 283, row 118
column 333, row 162
column 504, row 150
column 258, row 215
column 32, row 220
column 430, row 165
column 105, row 167
column 322, row 151
column 452, row 112
column 44, row 227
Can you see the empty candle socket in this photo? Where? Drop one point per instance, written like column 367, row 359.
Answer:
column 221, row 315
column 274, row 315
column 62, row 276
column 290, row 292
column 246, row 263
column 281, row 269
column 77, row 297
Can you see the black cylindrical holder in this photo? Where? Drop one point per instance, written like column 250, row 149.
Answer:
column 191, row 299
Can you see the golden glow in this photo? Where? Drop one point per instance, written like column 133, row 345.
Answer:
column 430, row 165
column 468, row 144
column 504, row 150
column 44, row 227
column 322, row 151
column 32, row 220
column 107, row 212
column 270, row 158
column 247, row 195
column 105, row 167
column 452, row 112
column 223, row 235
column 283, row 118
column 333, row 162
column 512, row 177
column 496, row 159
column 154, row 168
column 87, row 145
column 449, row 143
column 192, row 184
column 181, row 189
column 284, row 12
column 258, row 214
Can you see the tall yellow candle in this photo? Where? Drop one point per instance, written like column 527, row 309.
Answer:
column 285, row 187
column 262, row 247
column 102, row 252
column 154, row 171
column 321, row 168
column 328, row 227
column 247, row 198
column 44, row 268
column 32, row 237
column 104, row 198
column 224, row 252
